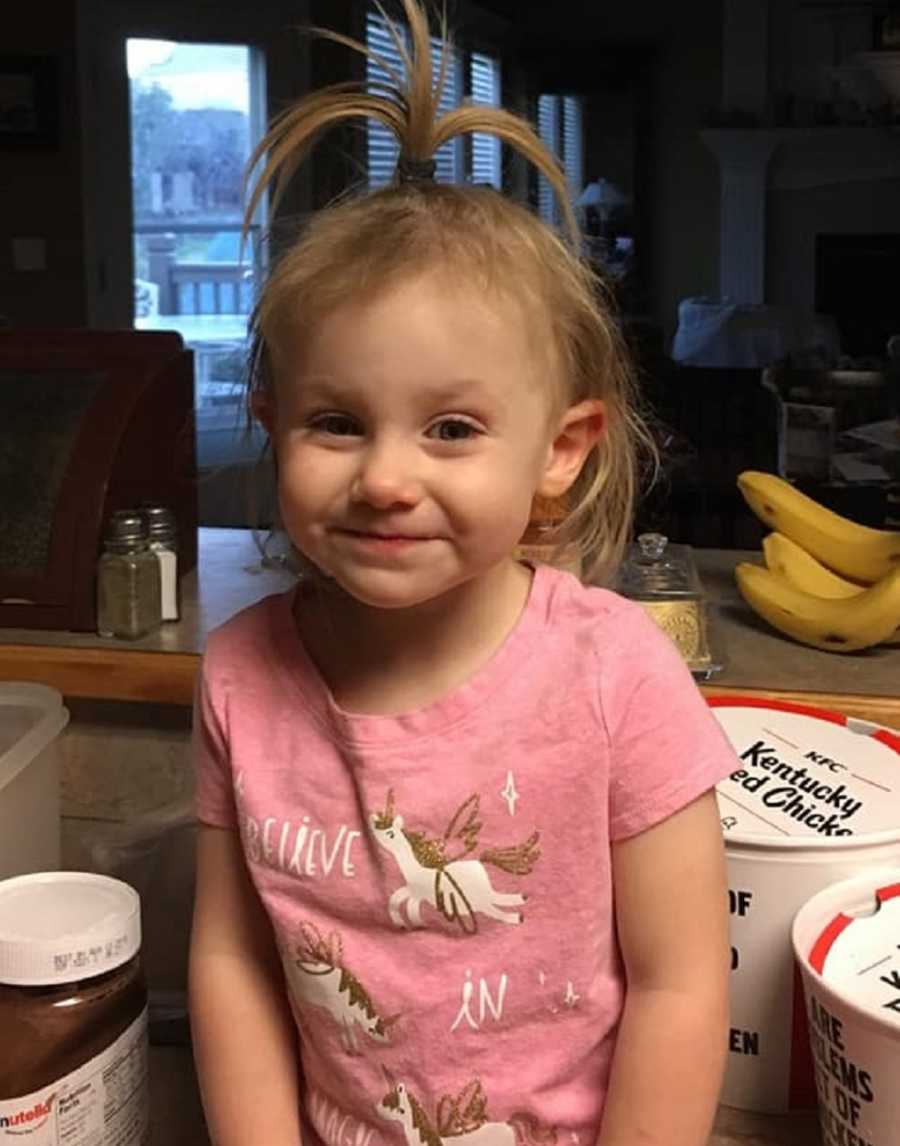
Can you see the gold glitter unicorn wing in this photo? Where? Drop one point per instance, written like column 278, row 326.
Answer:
column 452, row 903
column 472, row 1104
column 335, row 948
column 464, row 1113
column 312, row 948
column 465, row 826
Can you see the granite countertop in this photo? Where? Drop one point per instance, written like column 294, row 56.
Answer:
column 177, row 1117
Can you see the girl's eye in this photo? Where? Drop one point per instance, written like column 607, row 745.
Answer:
column 340, row 425
column 453, row 430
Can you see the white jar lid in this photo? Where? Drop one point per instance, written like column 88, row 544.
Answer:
column 62, row 926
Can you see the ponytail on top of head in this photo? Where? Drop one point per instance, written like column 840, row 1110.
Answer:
column 408, row 107
column 372, row 239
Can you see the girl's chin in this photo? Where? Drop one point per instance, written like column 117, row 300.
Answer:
column 392, row 592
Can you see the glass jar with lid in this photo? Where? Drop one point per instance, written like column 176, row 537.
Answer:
column 663, row 579
column 73, row 1012
column 128, row 579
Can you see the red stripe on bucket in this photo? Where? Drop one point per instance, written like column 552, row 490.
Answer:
column 824, row 943
column 891, row 739
column 890, row 892
column 783, row 705
column 801, row 1080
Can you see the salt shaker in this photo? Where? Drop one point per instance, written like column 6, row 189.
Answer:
column 128, row 579
column 164, row 543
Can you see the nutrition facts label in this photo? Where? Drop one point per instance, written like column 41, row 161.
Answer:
column 103, row 1103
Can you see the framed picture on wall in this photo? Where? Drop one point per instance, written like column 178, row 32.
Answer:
column 29, row 101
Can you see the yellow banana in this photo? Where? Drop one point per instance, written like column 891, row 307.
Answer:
column 787, row 560
column 854, row 551
column 790, row 561
column 841, row 625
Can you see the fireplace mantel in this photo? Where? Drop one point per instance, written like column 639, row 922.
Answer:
column 810, row 156
column 753, row 161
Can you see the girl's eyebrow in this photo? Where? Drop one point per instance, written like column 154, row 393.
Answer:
column 457, row 390
column 318, row 387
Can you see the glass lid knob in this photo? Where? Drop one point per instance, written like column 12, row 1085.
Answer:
column 652, row 545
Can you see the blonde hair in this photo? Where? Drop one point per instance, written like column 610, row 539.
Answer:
column 374, row 239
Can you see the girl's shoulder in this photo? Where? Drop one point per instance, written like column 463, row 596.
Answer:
column 615, row 636
column 251, row 635
column 572, row 604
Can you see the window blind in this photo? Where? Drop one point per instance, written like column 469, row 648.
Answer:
column 548, row 130
column 483, row 73
column 381, row 146
column 484, row 76
column 573, row 144
column 449, row 158
column 560, row 127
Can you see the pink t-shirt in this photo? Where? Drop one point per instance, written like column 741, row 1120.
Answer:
column 439, row 882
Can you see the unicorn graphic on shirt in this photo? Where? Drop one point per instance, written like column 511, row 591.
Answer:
column 436, row 872
column 318, row 978
column 460, row 1121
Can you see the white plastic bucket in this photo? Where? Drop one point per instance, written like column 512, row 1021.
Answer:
column 845, row 940
column 782, row 847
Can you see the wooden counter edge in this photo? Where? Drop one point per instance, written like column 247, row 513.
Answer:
column 104, row 674
column 168, row 678
column 879, row 709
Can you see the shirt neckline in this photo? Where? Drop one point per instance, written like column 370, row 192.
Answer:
column 430, row 719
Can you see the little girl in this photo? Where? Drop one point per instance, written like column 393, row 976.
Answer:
column 460, row 870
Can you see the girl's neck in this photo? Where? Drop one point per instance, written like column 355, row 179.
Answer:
column 388, row 661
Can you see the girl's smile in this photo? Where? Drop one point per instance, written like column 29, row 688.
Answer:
column 385, row 543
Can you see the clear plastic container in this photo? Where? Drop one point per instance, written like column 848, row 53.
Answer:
column 663, row 579
column 31, row 718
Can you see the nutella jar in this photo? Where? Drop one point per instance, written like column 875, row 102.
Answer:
column 73, row 1012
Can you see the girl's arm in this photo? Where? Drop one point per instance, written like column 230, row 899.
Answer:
column 671, row 912
column 243, row 1033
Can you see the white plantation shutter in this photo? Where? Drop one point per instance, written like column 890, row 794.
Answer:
column 486, row 154
column 381, row 145
column 449, row 158
column 548, row 130
column 484, row 78
column 573, row 144
column 560, row 127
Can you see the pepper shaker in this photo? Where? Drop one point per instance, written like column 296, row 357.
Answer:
column 128, row 579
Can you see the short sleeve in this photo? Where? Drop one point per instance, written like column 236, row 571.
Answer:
column 214, row 794
column 666, row 747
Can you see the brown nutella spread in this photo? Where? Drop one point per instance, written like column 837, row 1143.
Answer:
column 50, row 1031
column 73, row 1012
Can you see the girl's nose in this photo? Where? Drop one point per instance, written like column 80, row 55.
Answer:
column 386, row 477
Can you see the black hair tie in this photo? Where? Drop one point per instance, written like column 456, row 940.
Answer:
column 411, row 170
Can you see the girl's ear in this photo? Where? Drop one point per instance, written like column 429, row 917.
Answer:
column 578, row 431
column 262, row 407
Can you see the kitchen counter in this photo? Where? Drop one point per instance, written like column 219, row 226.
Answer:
column 231, row 575
column 177, row 1118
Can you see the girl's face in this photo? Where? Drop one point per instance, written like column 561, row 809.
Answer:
column 411, row 437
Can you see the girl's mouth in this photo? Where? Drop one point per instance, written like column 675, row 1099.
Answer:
column 383, row 541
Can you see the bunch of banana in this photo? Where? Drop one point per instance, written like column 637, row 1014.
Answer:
column 855, row 551
column 787, row 560
column 804, row 591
